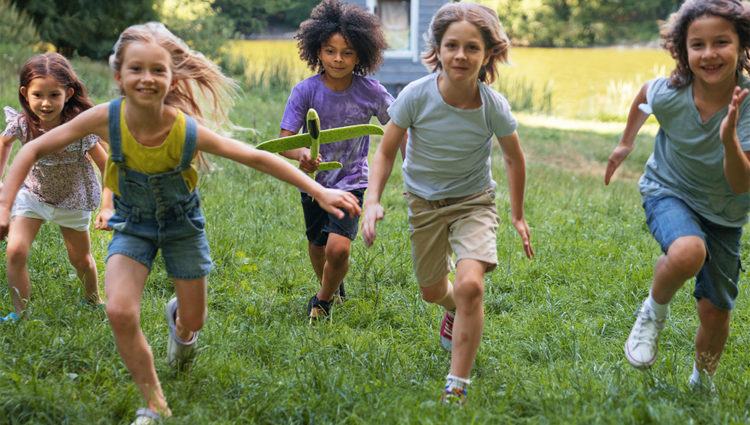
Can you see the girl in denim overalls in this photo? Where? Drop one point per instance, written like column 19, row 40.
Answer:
column 152, row 146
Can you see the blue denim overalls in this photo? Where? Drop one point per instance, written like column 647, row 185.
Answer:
column 158, row 208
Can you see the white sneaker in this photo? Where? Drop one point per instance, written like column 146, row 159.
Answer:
column 179, row 353
column 704, row 383
column 641, row 348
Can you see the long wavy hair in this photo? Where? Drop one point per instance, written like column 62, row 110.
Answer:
column 674, row 34
column 56, row 66
column 359, row 28
column 195, row 78
column 485, row 19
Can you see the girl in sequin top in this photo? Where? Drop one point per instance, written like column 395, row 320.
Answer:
column 62, row 187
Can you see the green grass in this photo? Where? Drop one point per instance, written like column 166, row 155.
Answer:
column 554, row 330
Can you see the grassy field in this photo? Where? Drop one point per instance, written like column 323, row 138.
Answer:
column 555, row 325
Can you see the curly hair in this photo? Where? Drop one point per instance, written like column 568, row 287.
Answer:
column 674, row 34
column 485, row 19
column 191, row 70
column 56, row 66
column 359, row 28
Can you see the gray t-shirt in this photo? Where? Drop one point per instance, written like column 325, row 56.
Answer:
column 448, row 151
column 363, row 99
column 688, row 157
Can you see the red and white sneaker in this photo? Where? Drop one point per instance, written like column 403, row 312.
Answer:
column 446, row 330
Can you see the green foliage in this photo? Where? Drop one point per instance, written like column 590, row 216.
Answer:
column 582, row 22
column 88, row 27
column 252, row 16
column 17, row 40
column 199, row 25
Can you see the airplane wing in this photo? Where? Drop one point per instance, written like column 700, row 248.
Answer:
column 326, row 136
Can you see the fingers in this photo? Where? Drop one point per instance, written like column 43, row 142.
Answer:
column 611, row 167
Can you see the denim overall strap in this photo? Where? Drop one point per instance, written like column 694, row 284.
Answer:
column 188, row 147
column 115, row 138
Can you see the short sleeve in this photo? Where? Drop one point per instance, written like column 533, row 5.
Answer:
column 386, row 101
column 296, row 108
column 400, row 109
column 15, row 124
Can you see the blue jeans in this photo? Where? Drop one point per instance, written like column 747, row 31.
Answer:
column 670, row 218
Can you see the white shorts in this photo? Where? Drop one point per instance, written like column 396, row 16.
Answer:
column 28, row 205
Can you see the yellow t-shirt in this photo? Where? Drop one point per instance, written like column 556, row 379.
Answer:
column 151, row 159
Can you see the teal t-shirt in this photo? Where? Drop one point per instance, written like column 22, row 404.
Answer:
column 688, row 157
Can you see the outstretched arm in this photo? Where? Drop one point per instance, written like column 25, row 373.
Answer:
column 91, row 121
column 515, row 165
column 736, row 161
column 380, row 170
column 330, row 199
column 635, row 121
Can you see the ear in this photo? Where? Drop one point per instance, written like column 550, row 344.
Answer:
column 118, row 79
column 24, row 92
column 486, row 59
column 70, row 92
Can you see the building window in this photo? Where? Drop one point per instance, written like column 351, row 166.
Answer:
column 399, row 21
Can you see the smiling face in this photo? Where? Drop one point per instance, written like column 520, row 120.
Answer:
column 46, row 98
column 462, row 52
column 713, row 50
column 338, row 58
column 146, row 74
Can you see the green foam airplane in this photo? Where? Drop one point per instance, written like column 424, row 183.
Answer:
column 315, row 136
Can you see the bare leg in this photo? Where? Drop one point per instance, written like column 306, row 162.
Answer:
column 711, row 337
column 191, row 307
column 21, row 235
column 79, row 253
column 336, row 265
column 468, row 292
column 683, row 260
column 124, row 280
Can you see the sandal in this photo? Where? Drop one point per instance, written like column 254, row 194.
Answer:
column 145, row 416
column 322, row 308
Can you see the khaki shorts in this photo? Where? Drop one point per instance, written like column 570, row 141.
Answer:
column 438, row 229
column 27, row 205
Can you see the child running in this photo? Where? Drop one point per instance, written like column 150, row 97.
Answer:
column 695, row 187
column 62, row 187
column 451, row 116
column 153, row 142
column 343, row 43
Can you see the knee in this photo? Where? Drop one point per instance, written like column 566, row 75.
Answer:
column 470, row 291
column 337, row 253
column 687, row 254
column 434, row 293
column 193, row 321
column 712, row 317
column 16, row 255
column 122, row 317
column 83, row 262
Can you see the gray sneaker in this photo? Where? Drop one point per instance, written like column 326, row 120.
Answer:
column 641, row 348
column 179, row 353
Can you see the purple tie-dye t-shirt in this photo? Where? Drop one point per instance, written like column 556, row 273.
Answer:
column 365, row 98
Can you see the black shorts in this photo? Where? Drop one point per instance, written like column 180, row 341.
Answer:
column 319, row 222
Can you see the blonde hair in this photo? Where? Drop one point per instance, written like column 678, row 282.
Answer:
column 191, row 70
column 485, row 19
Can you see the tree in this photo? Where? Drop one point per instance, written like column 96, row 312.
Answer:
column 88, row 27
column 252, row 16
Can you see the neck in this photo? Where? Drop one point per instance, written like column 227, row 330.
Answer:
column 337, row 84
column 462, row 95
column 720, row 93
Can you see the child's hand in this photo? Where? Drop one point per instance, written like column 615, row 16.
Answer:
column 306, row 163
column 333, row 199
column 372, row 214
column 728, row 129
column 523, row 230
column 100, row 222
column 618, row 155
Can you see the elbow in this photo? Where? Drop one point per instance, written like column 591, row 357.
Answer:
column 739, row 189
